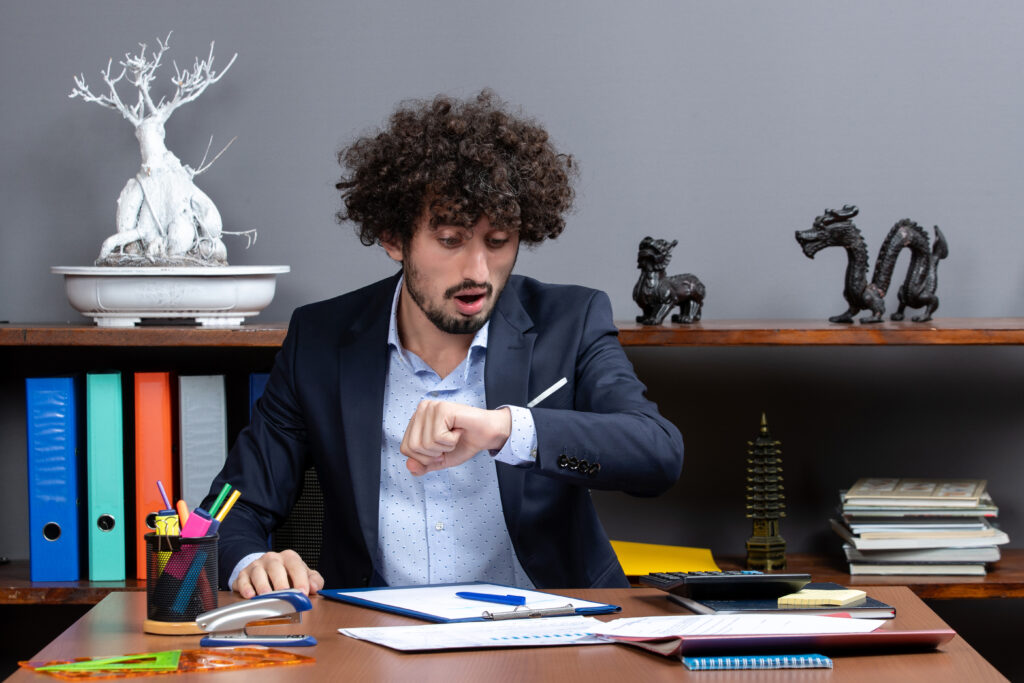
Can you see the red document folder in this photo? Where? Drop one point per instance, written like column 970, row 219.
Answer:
column 154, row 453
column 882, row 639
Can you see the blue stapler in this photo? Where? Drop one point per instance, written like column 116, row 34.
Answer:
column 226, row 625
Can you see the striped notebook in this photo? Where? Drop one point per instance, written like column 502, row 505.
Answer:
column 758, row 662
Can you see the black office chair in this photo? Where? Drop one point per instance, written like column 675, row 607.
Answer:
column 302, row 531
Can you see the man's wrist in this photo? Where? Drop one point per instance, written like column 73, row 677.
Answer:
column 502, row 427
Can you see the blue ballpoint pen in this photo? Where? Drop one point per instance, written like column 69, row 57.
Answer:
column 491, row 597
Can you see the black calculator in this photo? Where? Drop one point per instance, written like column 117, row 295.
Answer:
column 729, row 585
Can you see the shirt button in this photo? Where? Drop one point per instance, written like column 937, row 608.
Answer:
column 433, row 394
column 533, row 454
column 439, row 526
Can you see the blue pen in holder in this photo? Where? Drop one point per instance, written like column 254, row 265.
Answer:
column 181, row 582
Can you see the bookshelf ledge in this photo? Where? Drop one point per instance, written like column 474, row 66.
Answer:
column 17, row 589
column 769, row 332
column 752, row 332
column 1004, row 580
column 268, row 335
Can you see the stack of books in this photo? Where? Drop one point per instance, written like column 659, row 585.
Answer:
column 897, row 526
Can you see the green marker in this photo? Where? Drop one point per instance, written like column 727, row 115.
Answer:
column 220, row 499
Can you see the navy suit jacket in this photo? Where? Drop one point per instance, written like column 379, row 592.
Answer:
column 323, row 406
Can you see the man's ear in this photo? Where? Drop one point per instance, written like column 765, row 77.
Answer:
column 393, row 247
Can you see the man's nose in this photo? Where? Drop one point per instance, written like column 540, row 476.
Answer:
column 475, row 266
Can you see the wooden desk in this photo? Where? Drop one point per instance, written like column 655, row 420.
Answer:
column 114, row 627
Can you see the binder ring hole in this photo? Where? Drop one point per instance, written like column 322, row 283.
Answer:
column 51, row 531
column 105, row 522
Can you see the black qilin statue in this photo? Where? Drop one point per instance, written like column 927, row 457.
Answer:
column 656, row 293
column 836, row 229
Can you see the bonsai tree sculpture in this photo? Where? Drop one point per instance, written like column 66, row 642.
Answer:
column 162, row 217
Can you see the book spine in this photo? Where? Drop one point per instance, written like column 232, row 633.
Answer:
column 54, row 478
column 257, row 383
column 105, row 477
column 203, row 439
column 154, row 462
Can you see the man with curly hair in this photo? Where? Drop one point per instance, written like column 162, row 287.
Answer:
column 411, row 397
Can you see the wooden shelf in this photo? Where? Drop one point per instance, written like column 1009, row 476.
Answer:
column 941, row 331
column 269, row 335
column 1004, row 580
column 17, row 589
column 767, row 332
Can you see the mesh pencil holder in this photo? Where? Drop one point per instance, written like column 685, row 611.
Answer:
column 181, row 582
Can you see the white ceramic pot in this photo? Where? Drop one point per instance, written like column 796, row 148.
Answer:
column 214, row 296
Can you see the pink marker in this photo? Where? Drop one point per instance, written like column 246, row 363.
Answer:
column 197, row 525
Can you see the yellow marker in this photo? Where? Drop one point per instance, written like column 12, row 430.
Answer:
column 228, row 505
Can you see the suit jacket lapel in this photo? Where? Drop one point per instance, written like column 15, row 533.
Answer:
column 506, row 377
column 363, row 362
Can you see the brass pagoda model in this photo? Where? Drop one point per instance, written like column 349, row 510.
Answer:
column 766, row 502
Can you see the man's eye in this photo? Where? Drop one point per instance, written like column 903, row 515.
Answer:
column 497, row 243
column 449, row 241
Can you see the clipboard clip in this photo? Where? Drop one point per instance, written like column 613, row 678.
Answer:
column 526, row 612
column 227, row 625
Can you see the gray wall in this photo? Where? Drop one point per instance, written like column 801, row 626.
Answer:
column 725, row 125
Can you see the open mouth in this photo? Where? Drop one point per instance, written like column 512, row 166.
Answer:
column 470, row 302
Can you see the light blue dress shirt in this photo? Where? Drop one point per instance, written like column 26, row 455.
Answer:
column 445, row 526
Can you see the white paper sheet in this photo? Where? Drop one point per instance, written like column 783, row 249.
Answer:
column 739, row 624
column 590, row 631
column 511, row 633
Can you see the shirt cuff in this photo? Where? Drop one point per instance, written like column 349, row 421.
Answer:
column 242, row 564
column 520, row 450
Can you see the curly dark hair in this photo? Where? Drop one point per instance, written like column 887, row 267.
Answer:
column 468, row 159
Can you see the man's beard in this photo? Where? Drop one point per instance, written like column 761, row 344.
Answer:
column 452, row 324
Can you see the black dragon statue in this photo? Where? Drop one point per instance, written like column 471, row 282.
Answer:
column 836, row 229
column 656, row 293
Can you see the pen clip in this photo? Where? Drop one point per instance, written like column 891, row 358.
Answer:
column 525, row 612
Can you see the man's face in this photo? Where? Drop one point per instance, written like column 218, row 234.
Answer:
column 455, row 274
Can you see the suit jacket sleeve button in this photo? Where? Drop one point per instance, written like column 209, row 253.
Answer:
column 563, row 461
column 594, row 469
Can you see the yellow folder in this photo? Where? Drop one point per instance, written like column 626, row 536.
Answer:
column 640, row 559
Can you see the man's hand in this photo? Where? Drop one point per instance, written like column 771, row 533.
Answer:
column 442, row 434
column 277, row 571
